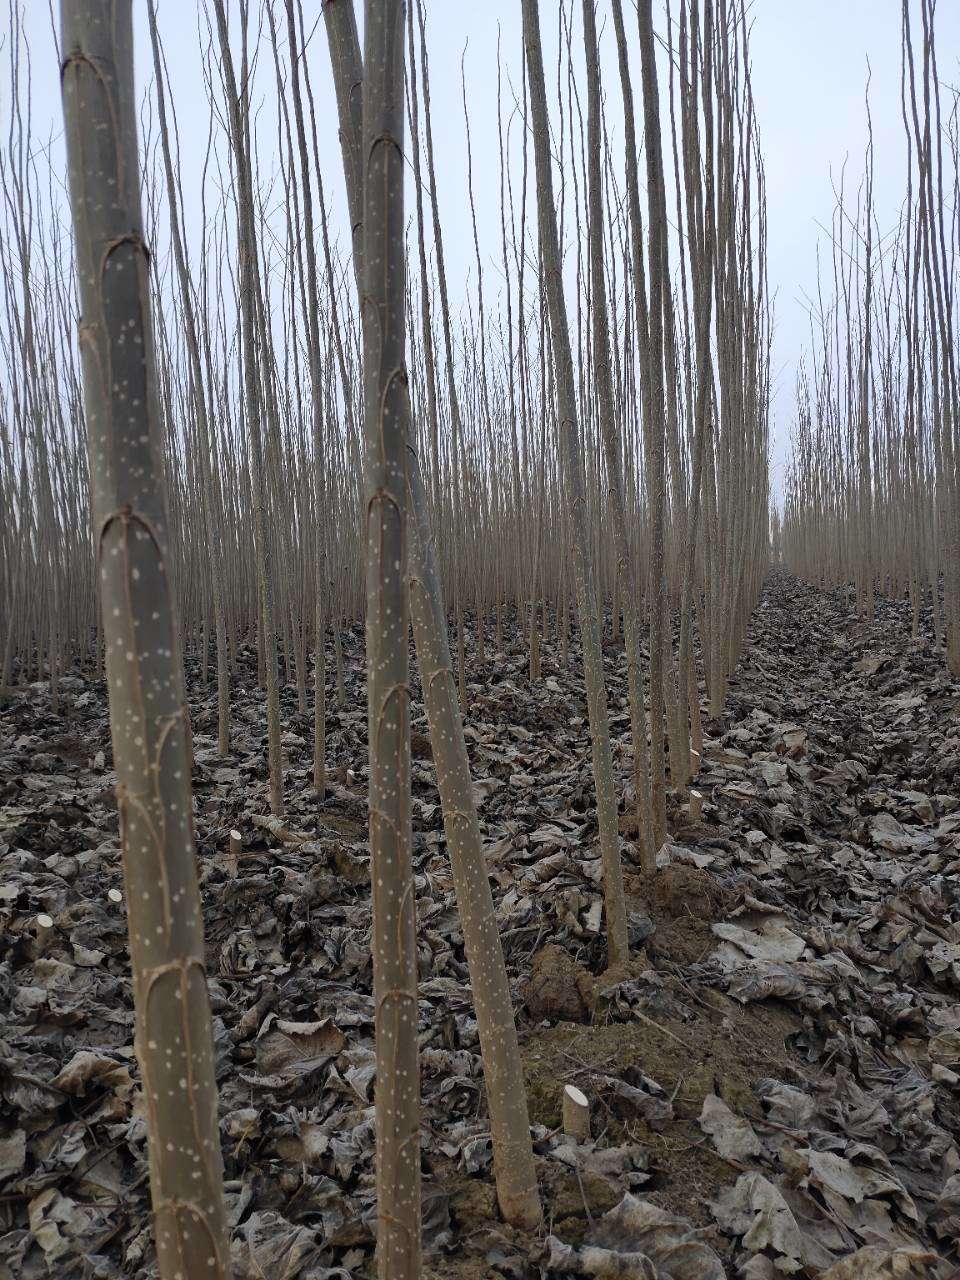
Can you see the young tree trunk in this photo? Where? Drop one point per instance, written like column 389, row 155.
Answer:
column 509, row 1124
column 249, row 271
column 210, row 510
column 570, row 444
column 316, row 402
column 145, row 684
column 659, row 619
column 453, row 398
column 611, row 445
column 387, row 629
column 648, row 406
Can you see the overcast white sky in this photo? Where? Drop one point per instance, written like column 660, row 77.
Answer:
column 809, row 61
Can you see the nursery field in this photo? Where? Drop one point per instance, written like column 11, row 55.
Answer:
column 479, row 640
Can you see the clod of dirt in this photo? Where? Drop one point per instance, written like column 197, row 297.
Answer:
column 681, row 891
column 474, row 1204
column 573, row 1197
column 684, row 901
column 559, row 989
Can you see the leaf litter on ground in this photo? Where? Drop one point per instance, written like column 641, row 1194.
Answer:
column 773, row 1081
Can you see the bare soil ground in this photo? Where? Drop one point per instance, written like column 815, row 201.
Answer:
column 773, row 1084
